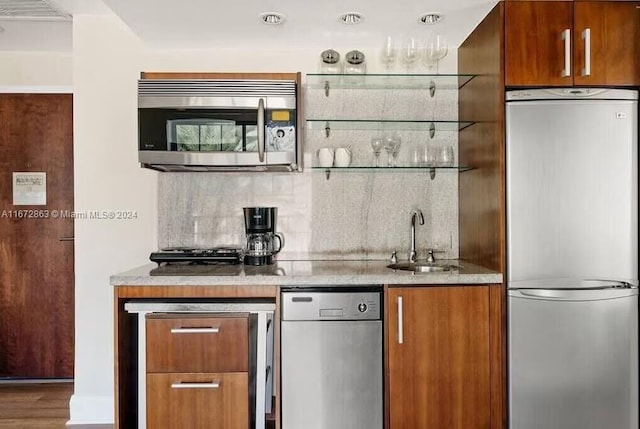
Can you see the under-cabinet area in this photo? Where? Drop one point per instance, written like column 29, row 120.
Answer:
column 201, row 352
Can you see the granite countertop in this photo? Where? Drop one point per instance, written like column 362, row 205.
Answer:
column 302, row 272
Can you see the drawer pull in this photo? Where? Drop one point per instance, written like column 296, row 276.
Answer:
column 212, row 385
column 211, row 330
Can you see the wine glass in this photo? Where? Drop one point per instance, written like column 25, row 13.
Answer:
column 410, row 52
column 388, row 54
column 435, row 49
column 392, row 144
column 396, row 150
column 377, row 144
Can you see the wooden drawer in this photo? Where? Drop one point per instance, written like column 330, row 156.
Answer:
column 198, row 343
column 198, row 401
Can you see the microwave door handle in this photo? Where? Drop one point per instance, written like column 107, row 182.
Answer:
column 261, row 146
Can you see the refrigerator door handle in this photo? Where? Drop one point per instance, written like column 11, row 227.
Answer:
column 594, row 294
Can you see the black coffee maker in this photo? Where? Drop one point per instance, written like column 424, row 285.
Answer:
column 263, row 243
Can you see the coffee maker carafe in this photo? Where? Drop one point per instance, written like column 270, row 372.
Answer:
column 263, row 243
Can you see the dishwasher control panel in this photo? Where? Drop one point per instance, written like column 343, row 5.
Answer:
column 315, row 305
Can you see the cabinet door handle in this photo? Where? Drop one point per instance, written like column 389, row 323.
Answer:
column 400, row 321
column 566, row 36
column 211, row 330
column 586, row 36
column 211, row 385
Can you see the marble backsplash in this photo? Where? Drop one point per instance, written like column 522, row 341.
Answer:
column 356, row 213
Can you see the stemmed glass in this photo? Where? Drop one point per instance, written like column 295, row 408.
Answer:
column 392, row 145
column 377, row 144
column 388, row 54
column 435, row 50
column 410, row 52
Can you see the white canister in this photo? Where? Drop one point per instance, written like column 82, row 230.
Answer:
column 325, row 157
column 343, row 157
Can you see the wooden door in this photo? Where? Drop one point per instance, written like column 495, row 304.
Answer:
column 614, row 43
column 36, row 247
column 534, row 48
column 439, row 376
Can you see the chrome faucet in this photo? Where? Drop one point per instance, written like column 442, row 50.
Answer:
column 412, row 253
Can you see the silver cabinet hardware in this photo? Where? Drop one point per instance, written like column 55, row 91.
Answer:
column 211, row 330
column 212, row 385
column 586, row 36
column 566, row 36
column 400, row 321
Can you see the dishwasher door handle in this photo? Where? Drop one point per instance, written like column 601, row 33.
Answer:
column 400, row 321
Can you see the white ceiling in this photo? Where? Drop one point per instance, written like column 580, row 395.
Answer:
column 203, row 24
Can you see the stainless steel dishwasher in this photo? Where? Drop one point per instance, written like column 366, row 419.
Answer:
column 331, row 348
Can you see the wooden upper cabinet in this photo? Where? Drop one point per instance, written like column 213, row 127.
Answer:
column 614, row 43
column 604, row 35
column 439, row 357
column 535, row 51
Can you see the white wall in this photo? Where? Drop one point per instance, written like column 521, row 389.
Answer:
column 107, row 59
column 35, row 70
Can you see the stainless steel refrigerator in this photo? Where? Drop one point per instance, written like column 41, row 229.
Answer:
column 572, row 258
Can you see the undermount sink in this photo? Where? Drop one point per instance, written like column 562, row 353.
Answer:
column 419, row 267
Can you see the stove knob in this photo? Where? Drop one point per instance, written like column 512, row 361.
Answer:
column 362, row 307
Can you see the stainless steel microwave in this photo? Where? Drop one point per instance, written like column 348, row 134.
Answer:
column 219, row 125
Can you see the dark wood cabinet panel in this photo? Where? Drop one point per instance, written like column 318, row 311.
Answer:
column 439, row 353
column 481, row 190
column 197, row 343
column 127, row 343
column 534, row 48
column 614, row 43
column 604, row 45
column 197, row 370
column 198, row 401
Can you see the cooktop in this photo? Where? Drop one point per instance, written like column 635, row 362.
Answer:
column 187, row 255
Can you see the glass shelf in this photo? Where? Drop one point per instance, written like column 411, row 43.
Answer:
column 385, row 125
column 387, row 81
column 431, row 170
column 400, row 167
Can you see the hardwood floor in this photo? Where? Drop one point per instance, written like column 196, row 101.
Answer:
column 37, row 406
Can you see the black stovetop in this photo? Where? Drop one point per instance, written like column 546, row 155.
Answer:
column 187, row 255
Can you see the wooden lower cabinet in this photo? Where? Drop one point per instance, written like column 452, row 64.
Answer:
column 198, row 401
column 197, row 343
column 197, row 371
column 440, row 350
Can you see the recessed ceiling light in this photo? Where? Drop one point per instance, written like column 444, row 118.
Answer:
column 272, row 18
column 351, row 18
column 430, row 18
